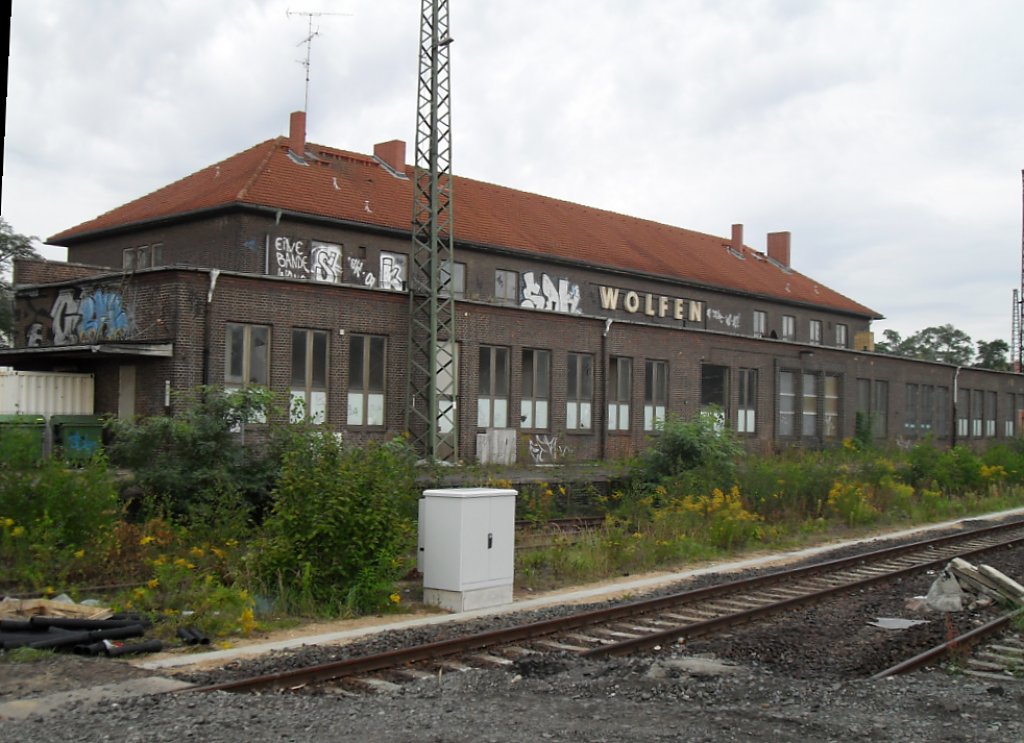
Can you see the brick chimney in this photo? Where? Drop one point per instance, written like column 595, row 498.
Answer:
column 778, row 247
column 297, row 132
column 737, row 238
column 392, row 154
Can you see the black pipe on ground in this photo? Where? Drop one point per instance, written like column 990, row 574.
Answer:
column 150, row 646
column 64, row 638
column 77, row 623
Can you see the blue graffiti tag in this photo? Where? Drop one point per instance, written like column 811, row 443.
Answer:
column 103, row 317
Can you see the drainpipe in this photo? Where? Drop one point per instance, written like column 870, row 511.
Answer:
column 956, row 395
column 602, row 411
column 214, row 273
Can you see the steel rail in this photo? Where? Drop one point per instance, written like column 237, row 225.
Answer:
column 696, row 629
column 296, row 678
column 962, row 642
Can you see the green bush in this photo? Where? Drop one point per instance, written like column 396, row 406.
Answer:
column 51, row 516
column 212, row 447
column 680, row 446
column 341, row 525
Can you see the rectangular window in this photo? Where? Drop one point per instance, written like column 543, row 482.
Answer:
column 533, row 408
column 309, row 376
column 910, row 416
column 788, row 327
column 456, row 283
column 831, row 407
column 579, row 392
column 977, row 410
column 492, row 402
column 128, row 259
column 809, row 405
column 142, row 257
column 787, row 403
column 746, row 407
column 880, row 411
column 963, row 413
column 990, row 414
column 842, row 335
column 655, row 393
column 814, row 331
column 1008, row 415
column 247, row 349
column 942, row 411
column 366, row 380
column 926, row 410
column 760, row 323
column 620, row 390
column 506, row 286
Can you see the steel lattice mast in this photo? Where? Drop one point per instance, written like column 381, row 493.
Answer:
column 431, row 416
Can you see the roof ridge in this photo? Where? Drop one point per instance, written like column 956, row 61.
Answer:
column 258, row 170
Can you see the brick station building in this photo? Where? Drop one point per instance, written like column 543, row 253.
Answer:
column 577, row 328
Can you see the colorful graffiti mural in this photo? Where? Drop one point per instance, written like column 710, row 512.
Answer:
column 76, row 315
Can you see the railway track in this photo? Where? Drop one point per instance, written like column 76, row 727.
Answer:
column 638, row 625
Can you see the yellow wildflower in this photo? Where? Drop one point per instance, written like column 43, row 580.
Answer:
column 153, row 582
column 394, row 598
column 148, row 539
column 79, row 554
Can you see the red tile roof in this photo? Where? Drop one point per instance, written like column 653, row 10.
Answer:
column 353, row 187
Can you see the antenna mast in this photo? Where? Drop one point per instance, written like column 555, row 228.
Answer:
column 308, row 41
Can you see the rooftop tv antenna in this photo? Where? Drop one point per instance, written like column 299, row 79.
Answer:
column 308, row 41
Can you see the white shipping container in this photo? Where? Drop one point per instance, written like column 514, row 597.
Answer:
column 45, row 393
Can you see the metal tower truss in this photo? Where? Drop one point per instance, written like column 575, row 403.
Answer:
column 431, row 415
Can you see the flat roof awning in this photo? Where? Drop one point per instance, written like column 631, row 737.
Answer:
column 85, row 351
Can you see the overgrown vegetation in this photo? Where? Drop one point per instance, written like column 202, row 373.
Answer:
column 228, row 522
column 694, row 496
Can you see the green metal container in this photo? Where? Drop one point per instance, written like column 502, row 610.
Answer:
column 77, row 437
column 31, row 427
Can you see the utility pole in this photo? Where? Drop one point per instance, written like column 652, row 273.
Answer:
column 432, row 410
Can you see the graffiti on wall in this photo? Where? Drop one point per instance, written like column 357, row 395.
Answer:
column 392, row 271
column 545, row 449
column 357, row 273
column 325, row 262
column 316, row 261
column 541, row 292
column 78, row 315
column 290, row 258
column 730, row 321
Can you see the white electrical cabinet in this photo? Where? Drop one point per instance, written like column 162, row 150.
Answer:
column 467, row 547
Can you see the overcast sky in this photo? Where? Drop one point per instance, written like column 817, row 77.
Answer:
column 886, row 135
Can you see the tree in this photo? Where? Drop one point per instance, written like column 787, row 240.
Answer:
column 942, row 343
column 12, row 246
column 992, row 355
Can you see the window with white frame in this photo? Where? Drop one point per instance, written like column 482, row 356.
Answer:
column 655, row 393
column 309, row 376
column 760, row 323
column 746, row 405
column 366, row 383
column 814, row 332
column 830, row 407
column 788, row 327
column 492, row 402
column 536, row 399
column 506, row 286
column 977, row 412
column 842, row 335
column 620, row 390
column 579, row 391
column 787, row 403
column 809, row 404
column 963, row 413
